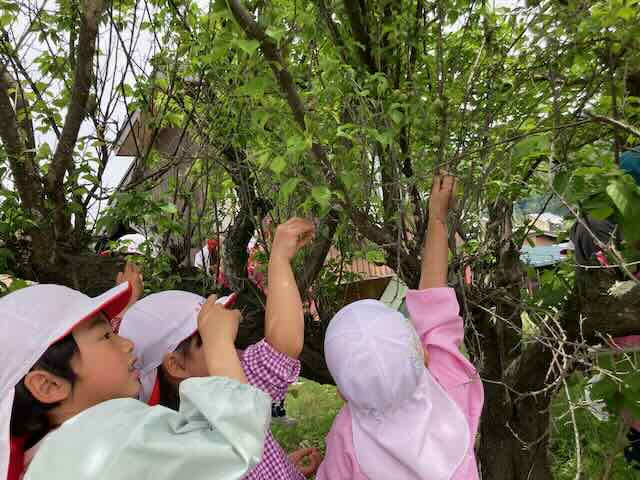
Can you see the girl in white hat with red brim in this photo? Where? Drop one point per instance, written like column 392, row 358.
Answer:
column 68, row 383
column 170, row 351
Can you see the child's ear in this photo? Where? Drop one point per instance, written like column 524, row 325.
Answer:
column 174, row 364
column 47, row 387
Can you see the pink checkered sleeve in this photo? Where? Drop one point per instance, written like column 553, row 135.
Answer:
column 269, row 370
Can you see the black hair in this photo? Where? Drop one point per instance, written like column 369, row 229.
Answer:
column 169, row 396
column 28, row 415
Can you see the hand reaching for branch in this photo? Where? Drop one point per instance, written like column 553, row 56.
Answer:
column 284, row 317
column 443, row 196
column 435, row 259
column 291, row 236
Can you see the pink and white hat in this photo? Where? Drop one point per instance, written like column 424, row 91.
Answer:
column 157, row 324
column 31, row 320
column 404, row 424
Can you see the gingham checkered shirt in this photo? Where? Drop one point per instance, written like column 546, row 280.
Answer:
column 272, row 372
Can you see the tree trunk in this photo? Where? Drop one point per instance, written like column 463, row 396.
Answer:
column 514, row 430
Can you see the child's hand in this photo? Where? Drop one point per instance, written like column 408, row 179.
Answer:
column 442, row 196
column 291, row 236
column 216, row 323
column 306, row 460
column 133, row 275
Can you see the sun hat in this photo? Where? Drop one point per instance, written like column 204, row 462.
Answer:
column 157, row 324
column 31, row 320
column 405, row 426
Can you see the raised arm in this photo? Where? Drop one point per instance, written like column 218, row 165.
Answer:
column 218, row 328
column 284, row 317
column 132, row 274
column 435, row 252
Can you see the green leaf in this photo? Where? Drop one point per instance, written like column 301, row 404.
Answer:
column 255, row 86
column 626, row 13
column 169, row 208
column 278, row 164
column 276, row 33
column 44, row 151
column 297, row 144
column 174, row 118
column 288, row 187
column 322, row 195
column 626, row 197
column 533, row 146
column 162, row 82
column 6, row 19
column 127, row 90
column 601, row 213
column 248, row 46
column 261, row 117
column 396, row 116
column 91, row 179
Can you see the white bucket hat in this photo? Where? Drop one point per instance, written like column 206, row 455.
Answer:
column 405, row 426
column 31, row 320
column 157, row 324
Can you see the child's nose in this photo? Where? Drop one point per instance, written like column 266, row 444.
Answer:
column 127, row 344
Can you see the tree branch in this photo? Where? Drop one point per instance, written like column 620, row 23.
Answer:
column 615, row 123
column 319, row 251
column 359, row 30
column 63, row 157
column 22, row 168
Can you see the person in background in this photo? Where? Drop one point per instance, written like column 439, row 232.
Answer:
column 588, row 252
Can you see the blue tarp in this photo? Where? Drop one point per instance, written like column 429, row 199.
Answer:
column 539, row 257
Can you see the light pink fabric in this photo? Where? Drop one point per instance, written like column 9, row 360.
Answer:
column 435, row 314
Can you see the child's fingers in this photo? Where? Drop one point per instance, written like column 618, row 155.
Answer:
column 305, row 238
column 448, row 182
column 211, row 300
column 454, row 192
column 298, row 455
column 437, row 179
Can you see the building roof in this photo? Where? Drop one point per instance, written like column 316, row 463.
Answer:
column 359, row 266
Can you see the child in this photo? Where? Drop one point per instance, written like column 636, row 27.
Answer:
column 162, row 326
column 401, row 420
column 67, row 383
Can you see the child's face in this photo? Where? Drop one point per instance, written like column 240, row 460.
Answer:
column 195, row 363
column 104, row 365
column 191, row 363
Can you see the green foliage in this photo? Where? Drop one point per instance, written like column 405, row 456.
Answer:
column 314, row 406
column 599, row 440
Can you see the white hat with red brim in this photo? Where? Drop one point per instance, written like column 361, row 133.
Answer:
column 156, row 325
column 31, row 320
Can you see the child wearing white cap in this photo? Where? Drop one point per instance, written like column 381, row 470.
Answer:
column 413, row 401
column 169, row 350
column 68, row 382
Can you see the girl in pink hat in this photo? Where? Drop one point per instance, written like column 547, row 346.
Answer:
column 405, row 418
column 68, row 383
